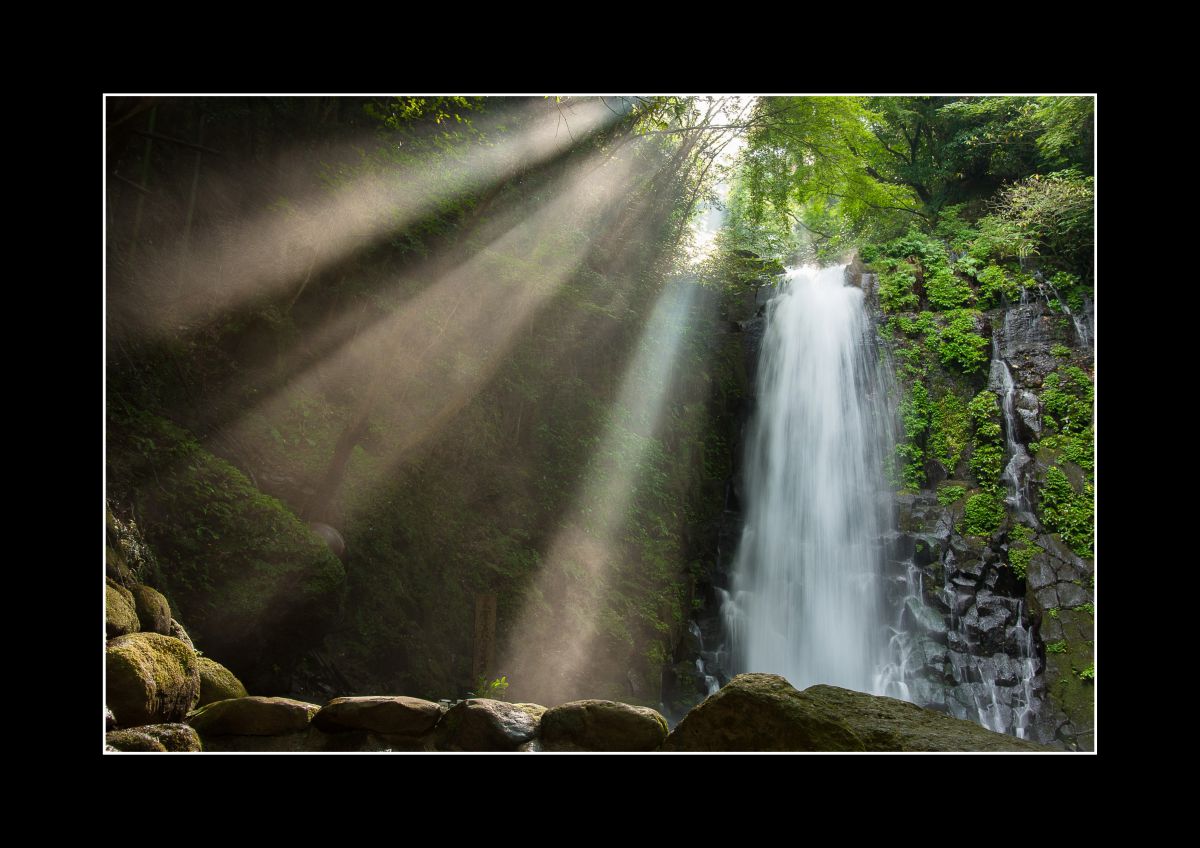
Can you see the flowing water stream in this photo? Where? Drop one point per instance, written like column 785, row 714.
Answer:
column 807, row 594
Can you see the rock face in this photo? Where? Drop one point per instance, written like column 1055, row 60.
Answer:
column 151, row 679
column 380, row 714
column 763, row 712
column 253, row 716
column 120, row 610
column 153, row 611
column 594, row 725
column 482, row 724
column 217, row 683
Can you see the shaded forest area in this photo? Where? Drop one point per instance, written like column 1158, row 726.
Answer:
column 406, row 323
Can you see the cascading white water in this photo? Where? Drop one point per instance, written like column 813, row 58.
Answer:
column 806, row 600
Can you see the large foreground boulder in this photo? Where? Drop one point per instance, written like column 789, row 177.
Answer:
column 151, row 679
column 483, row 724
column 763, row 712
column 253, row 716
column 397, row 714
column 217, row 683
column 594, row 725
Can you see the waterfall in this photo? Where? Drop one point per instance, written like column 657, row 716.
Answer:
column 807, row 587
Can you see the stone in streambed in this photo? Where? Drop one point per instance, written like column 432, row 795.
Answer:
column 397, row 714
column 595, row 725
column 155, row 737
column 483, row 724
column 253, row 716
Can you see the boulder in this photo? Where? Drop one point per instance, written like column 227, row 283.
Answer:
column 132, row 740
column 120, row 611
column 761, row 712
column 397, row 714
column 482, row 724
column 179, row 738
column 153, row 611
column 217, row 683
column 150, row 679
column 595, row 725
column 253, row 716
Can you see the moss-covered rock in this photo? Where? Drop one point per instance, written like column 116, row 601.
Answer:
column 482, row 724
column 120, row 610
column 253, row 716
column 151, row 679
column 172, row 737
column 153, row 611
column 134, row 741
column 397, row 714
column 761, row 712
column 217, row 683
column 594, row 725
column 255, row 585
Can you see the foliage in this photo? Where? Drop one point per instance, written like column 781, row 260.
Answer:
column 1054, row 211
column 959, row 345
column 1088, row 673
column 914, row 415
column 987, row 455
column 896, row 289
column 1021, row 551
column 1068, row 512
column 982, row 514
column 949, row 431
column 1059, row 647
column 493, row 689
column 994, row 283
column 1060, row 351
column 947, row 495
column 1067, row 398
column 946, row 290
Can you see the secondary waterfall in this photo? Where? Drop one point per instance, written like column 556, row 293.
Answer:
column 807, row 588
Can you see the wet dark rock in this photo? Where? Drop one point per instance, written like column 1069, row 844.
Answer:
column 481, row 724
